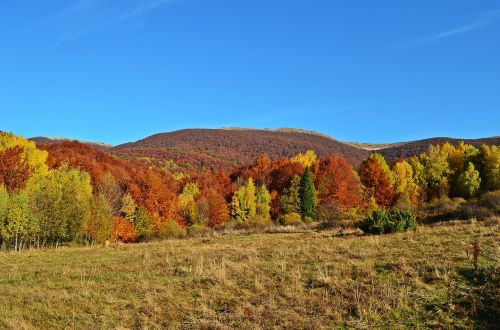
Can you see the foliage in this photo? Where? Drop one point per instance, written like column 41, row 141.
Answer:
column 383, row 164
column 170, row 229
column 404, row 183
column 187, row 203
column 62, row 204
column 437, row 170
column 19, row 223
column 218, row 213
column 262, row 202
column 377, row 182
column 143, row 224
column 32, row 157
column 337, row 183
column 14, row 172
column 291, row 219
column 308, row 200
column 98, row 227
column 469, row 181
column 123, row 230
column 199, row 230
column 109, row 189
column 129, row 208
column 307, row 159
column 290, row 198
column 489, row 167
column 394, row 220
column 243, row 205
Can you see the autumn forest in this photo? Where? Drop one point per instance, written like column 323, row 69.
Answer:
column 72, row 193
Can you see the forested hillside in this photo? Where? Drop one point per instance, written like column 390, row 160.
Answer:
column 73, row 193
column 224, row 149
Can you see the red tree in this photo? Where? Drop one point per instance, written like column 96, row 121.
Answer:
column 123, row 230
column 14, row 172
column 218, row 213
column 337, row 183
column 377, row 182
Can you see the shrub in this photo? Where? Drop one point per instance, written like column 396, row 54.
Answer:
column 123, row 230
column 308, row 220
column 197, row 230
column 381, row 222
column 291, row 219
column 260, row 221
column 170, row 229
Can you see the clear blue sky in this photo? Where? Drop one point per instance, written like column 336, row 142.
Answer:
column 372, row 71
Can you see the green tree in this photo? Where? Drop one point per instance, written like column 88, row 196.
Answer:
column 243, row 204
column 470, row 181
column 143, row 224
column 458, row 159
column 236, row 211
column 62, row 204
column 437, row 169
column 263, row 202
column 98, row 226
column 187, row 202
column 129, row 207
column 290, row 199
column 20, row 225
column 4, row 204
column 308, row 202
column 251, row 205
column 488, row 161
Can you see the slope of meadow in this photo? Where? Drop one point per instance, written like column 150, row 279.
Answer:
column 306, row 280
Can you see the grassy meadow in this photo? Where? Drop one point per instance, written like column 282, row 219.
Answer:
column 299, row 280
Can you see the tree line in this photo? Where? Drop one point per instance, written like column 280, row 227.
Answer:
column 72, row 193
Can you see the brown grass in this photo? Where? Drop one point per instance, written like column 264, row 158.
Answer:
column 305, row 280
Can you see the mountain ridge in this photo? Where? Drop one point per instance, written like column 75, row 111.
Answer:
column 230, row 147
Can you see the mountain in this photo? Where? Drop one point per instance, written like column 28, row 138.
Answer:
column 226, row 148
column 49, row 141
column 413, row 148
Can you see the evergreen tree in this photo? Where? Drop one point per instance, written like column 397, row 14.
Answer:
column 308, row 203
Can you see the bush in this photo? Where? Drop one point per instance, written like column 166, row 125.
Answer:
column 197, row 230
column 491, row 201
column 171, row 229
column 382, row 222
column 291, row 219
column 123, row 230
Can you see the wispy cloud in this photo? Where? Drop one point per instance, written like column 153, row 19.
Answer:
column 489, row 18
column 84, row 17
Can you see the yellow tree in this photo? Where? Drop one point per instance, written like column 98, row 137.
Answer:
column 34, row 158
column 404, row 183
column 307, row 159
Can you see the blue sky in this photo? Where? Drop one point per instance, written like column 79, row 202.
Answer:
column 370, row 71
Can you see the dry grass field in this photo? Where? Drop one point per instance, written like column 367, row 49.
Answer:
column 302, row 280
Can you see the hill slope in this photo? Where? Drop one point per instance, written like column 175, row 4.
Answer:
column 226, row 148
column 413, row 148
column 41, row 140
